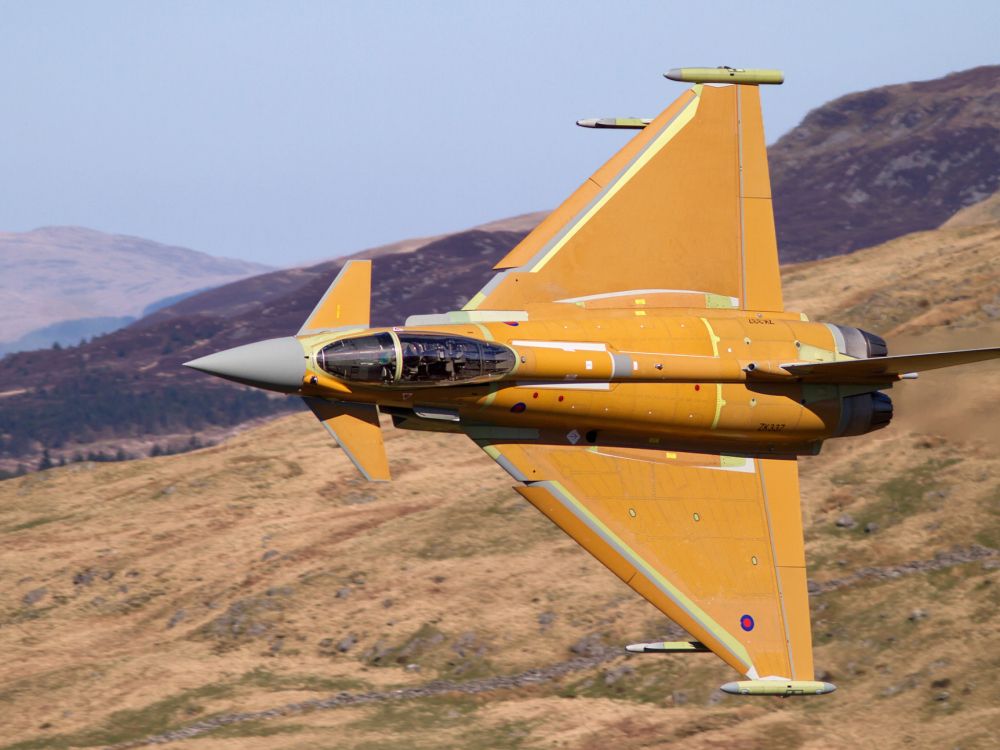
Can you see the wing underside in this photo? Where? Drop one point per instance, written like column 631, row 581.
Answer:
column 684, row 206
column 714, row 542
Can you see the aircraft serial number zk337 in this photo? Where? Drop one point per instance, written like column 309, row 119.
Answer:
column 633, row 368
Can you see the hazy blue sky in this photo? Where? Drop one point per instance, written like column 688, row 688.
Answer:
column 293, row 131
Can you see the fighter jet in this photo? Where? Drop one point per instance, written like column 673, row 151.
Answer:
column 633, row 368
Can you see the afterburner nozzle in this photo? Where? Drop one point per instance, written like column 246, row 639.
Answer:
column 273, row 364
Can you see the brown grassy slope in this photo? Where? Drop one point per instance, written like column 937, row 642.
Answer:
column 148, row 596
column 986, row 211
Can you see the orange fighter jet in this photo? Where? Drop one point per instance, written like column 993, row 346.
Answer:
column 632, row 367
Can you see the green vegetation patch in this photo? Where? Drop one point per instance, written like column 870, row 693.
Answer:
column 498, row 521
column 987, row 597
column 256, row 729
column 905, row 495
column 33, row 523
column 263, row 678
column 441, row 721
column 630, row 680
column 988, row 522
column 46, row 682
column 711, row 722
column 156, row 718
column 429, row 648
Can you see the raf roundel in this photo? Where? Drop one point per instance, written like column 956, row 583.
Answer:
column 568, row 287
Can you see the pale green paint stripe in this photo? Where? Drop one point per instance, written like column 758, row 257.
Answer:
column 490, row 450
column 675, row 125
column 712, row 337
column 545, row 254
column 475, row 302
column 777, row 570
column 720, row 302
column 467, row 316
column 490, row 397
column 719, row 401
column 736, row 648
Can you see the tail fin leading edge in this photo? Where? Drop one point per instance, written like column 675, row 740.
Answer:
column 346, row 303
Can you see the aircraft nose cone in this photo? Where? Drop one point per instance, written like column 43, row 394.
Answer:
column 275, row 364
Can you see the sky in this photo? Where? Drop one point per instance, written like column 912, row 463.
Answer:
column 291, row 132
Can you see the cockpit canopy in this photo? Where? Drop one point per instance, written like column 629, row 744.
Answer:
column 367, row 359
column 415, row 359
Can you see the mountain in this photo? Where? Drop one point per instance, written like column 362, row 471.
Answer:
column 66, row 333
column 60, row 275
column 259, row 594
column 878, row 164
column 984, row 212
column 861, row 142
column 129, row 388
column 112, row 403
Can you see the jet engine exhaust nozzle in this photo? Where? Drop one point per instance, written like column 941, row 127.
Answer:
column 864, row 413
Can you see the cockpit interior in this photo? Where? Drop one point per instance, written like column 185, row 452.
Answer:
column 414, row 359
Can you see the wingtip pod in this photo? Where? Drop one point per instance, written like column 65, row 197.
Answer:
column 783, row 688
column 616, row 123
column 725, row 74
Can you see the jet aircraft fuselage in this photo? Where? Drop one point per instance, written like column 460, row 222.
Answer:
column 633, row 368
column 661, row 377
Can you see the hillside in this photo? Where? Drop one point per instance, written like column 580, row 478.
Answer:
column 984, row 212
column 59, row 274
column 257, row 594
column 919, row 152
column 128, row 387
column 944, row 277
column 886, row 162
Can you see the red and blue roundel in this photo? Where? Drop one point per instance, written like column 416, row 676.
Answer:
column 518, row 407
column 746, row 622
column 512, row 323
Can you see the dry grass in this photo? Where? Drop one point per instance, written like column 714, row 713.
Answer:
column 147, row 595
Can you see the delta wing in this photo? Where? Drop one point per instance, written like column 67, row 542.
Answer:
column 713, row 541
